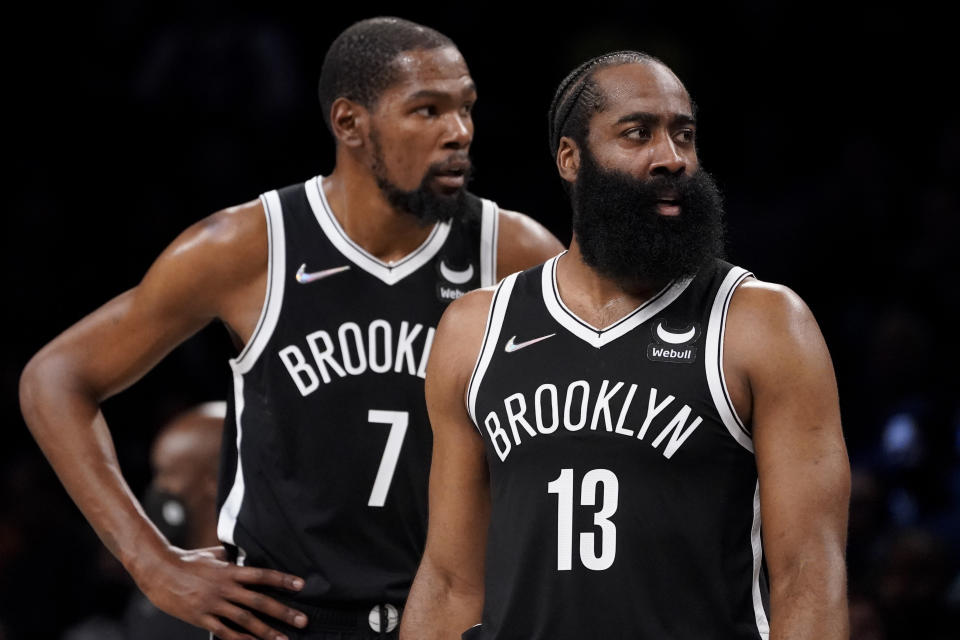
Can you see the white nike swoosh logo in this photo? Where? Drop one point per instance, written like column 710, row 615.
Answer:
column 675, row 338
column 303, row 277
column 512, row 346
column 456, row 277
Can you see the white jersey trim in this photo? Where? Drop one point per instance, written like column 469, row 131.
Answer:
column 713, row 358
column 489, row 225
column 273, row 298
column 763, row 625
column 269, row 314
column 601, row 337
column 227, row 520
column 491, row 336
column 388, row 273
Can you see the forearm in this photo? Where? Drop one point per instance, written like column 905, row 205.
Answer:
column 71, row 431
column 809, row 600
column 440, row 608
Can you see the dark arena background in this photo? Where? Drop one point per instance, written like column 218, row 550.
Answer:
column 832, row 133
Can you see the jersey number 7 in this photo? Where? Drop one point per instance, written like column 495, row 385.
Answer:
column 398, row 421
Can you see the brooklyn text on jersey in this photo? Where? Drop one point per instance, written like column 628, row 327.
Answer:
column 616, row 478
column 327, row 444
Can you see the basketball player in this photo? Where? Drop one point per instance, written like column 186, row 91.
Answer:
column 181, row 501
column 333, row 287
column 635, row 439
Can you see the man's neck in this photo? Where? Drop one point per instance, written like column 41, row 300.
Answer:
column 597, row 299
column 368, row 219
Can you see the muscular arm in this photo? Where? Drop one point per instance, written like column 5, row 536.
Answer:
column 522, row 242
column 447, row 594
column 784, row 369
column 210, row 271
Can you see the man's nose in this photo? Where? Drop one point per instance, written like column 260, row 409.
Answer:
column 459, row 131
column 666, row 158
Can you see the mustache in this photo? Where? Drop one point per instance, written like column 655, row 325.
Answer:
column 677, row 188
column 457, row 162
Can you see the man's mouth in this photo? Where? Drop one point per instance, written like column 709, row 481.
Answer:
column 452, row 178
column 452, row 174
column 668, row 205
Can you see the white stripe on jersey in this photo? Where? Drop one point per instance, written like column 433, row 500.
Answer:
column 763, row 626
column 230, row 510
column 276, row 272
column 491, row 335
column 489, row 225
column 713, row 358
column 273, row 301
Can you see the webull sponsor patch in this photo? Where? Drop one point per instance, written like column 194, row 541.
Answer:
column 666, row 353
column 673, row 345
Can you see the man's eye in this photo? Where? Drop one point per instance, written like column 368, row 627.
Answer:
column 685, row 135
column 467, row 108
column 637, row 133
column 426, row 111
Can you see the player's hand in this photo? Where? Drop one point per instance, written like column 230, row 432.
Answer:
column 200, row 587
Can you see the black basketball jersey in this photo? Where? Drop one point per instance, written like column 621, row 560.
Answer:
column 327, row 444
column 623, row 485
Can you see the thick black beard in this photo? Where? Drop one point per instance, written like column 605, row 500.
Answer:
column 423, row 202
column 622, row 236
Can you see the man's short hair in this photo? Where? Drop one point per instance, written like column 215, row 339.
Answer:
column 359, row 64
column 578, row 97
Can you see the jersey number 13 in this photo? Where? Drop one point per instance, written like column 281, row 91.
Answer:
column 563, row 486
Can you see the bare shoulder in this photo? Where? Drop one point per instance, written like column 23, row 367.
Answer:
column 768, row 308
column 232, row 237
column 214, row 257
column 470, row 303
column 522, row 242
column 459, row 337
column 239, row 222
column 770, row 327
column 467, row 315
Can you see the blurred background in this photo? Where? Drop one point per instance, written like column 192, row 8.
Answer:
column 831, row 131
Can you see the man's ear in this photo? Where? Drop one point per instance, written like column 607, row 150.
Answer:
column 568, row 159
column 349, row 121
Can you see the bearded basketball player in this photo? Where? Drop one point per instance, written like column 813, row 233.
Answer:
column 636, row 439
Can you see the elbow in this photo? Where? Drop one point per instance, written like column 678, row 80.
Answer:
column 821, row 576
column 453, row 581
column 44, row 384
column 811, row 602
column 31, row 387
